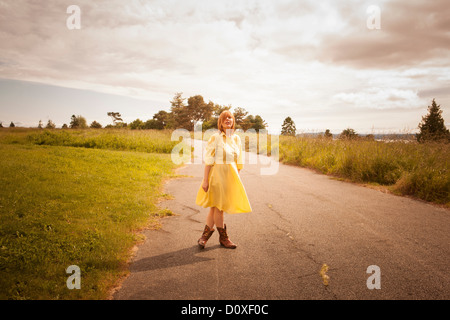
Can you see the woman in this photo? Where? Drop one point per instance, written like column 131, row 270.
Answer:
column 222, row 189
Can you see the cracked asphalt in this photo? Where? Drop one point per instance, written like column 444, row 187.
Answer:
column 301, row 220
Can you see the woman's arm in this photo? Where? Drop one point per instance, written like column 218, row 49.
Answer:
column 205, row 184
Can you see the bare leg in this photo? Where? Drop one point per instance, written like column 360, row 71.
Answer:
column 210, row 218
column 218, row 218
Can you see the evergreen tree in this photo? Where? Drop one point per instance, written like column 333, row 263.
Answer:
column 12, row 125
column 288, row 127
column 432, row 127
column 180, row 113
column 50, row 125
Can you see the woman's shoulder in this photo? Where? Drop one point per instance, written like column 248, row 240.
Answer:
column 214, row 136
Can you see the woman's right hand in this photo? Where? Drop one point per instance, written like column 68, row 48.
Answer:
column 205, row 185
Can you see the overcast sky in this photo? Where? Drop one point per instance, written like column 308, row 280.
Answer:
column 315, row 61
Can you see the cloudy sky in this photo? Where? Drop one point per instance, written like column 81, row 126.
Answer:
column 315, row 61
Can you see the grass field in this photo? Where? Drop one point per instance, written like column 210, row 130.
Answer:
column 62, row 206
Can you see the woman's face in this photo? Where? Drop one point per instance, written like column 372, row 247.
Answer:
column 228, row 122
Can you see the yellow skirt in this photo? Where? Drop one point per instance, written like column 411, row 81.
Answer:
column 226, row 191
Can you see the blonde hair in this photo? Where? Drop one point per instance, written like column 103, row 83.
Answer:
column 222, row 117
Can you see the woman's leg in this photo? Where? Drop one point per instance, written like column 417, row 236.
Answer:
column 210, row 218
column 218, row 217
column 224, row 240
column 209, row 229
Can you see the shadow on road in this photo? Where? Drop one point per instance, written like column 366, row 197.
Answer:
column 172, row 259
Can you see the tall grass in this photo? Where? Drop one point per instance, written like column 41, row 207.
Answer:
column 419, row 170
column 152, row 141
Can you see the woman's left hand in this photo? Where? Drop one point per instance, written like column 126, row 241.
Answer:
column 205, row 185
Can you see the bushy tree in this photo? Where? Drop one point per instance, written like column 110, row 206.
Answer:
column 239, row 116
column 288, row 127
column 253, row 122
column 348, row 134
column 136, row 124
column 78, row 122
column 12, row 125
column 432, row 127
column 162, row 120
column 95, row 125
column 328, row 134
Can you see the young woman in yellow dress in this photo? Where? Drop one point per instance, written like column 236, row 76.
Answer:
column 222, row 189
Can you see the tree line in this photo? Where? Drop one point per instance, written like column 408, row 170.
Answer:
column 185, row 113
column 431, row 128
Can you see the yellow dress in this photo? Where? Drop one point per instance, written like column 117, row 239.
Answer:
column 226, row 191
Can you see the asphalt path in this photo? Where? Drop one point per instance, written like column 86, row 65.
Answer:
column 301, row 221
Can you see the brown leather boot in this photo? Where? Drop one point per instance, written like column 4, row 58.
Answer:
column 223, row 238
column 205, row 236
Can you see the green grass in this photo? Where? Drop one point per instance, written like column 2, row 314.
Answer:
column 62, row 206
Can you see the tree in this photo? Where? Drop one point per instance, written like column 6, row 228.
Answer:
column 136, row 124
column 198, row 110
column 179, row 112
column 239, row 116
column 78, row 122
column 12, row 125
column 328, row 134
column 247, row 123
column 288, row 127
column 152, row 124
column 259, row 123
column 64, row 126
column 432, row 126
column 40, row 124
column 95, row 125
column 50, row 125
column 1, row 124
column 116, row 118
column 348, row 134
column 161, row 120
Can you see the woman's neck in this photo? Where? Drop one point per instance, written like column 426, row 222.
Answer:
column 228, row 132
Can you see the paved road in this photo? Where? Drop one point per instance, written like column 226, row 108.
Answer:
column 300, row 221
